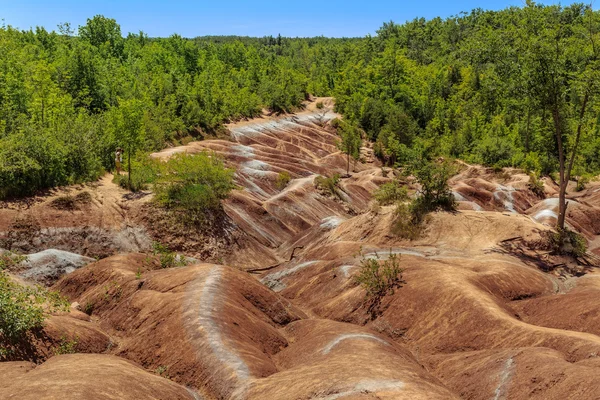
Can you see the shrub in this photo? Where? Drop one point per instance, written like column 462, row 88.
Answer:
column 88, row 308
column 536, row 185
column 567, row 242
column 66, row 346
column 320, row 105
column 24, row 308
column 68, row 202
column 408, row 222
column 581, row 182
column 193, row 186
column 9, row 260
column 329, row 185
column 162, row 371
column 390, row 193
column 380, row 277
column 283, row 178
column 532, row 163
column 435, row 193
column 494, row 151
column 167, row 258
column 144, row 172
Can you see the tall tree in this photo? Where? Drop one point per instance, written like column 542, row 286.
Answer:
column 350, row 143
column 565, row 74
column 129, row 129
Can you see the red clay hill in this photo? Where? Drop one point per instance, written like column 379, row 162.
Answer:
column 276, row 313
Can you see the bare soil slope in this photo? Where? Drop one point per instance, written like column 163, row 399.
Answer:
column 473, row 319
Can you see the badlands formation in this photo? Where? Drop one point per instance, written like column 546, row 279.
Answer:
column 270, row 309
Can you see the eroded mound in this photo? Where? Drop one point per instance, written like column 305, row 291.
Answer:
column 471, row 319
column 89, row 376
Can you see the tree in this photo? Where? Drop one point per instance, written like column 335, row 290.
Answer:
column 350, row 143
column 103, row 32
column 129, row 129
column 564, row 73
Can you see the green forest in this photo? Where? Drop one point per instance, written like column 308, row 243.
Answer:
column 498, row 88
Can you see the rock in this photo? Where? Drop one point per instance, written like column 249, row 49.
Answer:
column 48, row 266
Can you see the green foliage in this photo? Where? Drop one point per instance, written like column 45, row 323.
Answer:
column 146, row 170
column 167, row 258
column 320, row 105
column 582, row 181
column 391, row 193
column 88, row 308
column 283, row 178
column 66, row 346
column 10, row 260
column 162, row 371
column 24, row 308
column 435, row 193
column 568, row 242
column 67, row 102
column 329, row 185
column 350, row 141
column 380, row 277
column 193, row 185
column 536, row 185
column 483, row 86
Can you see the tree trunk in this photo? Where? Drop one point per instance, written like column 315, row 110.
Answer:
column 565, row 174
column 560, row 223
column 527, row 134
column 129, row 169
column 348, row 165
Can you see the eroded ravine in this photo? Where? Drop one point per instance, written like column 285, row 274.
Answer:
column 299, row 329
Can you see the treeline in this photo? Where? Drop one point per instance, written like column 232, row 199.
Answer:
column 68, row 101
column 488, row 87
column 485, row 86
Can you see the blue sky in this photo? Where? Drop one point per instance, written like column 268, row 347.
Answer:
column 252, row 18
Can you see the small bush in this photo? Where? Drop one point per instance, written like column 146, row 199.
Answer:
column 390, row 193
column 283, row 178
column 162, row 371
column 408, row 222
column 582, row 181
column 25, row 308
column 435, row 193
column 567, row 242
column 532, row 163
column 10, row 260
column 68, row 202
column 113, row 290
column 143, row 173
column 88, row 308
column 193, row 186
column 380, row 277
column 536, row 185
column 329, row 185
column 66, row 346
column 167, row 258
column 320, row 105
